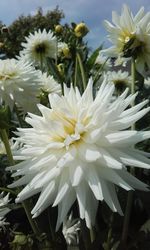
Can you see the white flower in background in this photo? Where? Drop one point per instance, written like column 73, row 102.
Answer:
column 103, row 61
column 130, row 36
column 39, row 46
column 18, row 84
column 147, row 83
column 4, row 200
column 119, row 78
column 79, row 149
column 49, row 84
column 71, row 228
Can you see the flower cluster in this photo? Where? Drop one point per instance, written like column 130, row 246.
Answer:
column 79, row 135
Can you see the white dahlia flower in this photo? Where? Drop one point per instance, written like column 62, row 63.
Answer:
column 130, row 36
column 119, row 78
column 79, row 149
column 49, row 84
column 39, row 46
column 103, row 61
column 18, row 84
column 71, row 228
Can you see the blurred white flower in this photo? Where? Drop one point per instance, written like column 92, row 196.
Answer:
column 49, row 84
column 4, row 200
column 18, row 84
column 79, row 149
column 130, row 36
column 39, row 46
column 103, row 61
column 120, row 79
column 71, row 228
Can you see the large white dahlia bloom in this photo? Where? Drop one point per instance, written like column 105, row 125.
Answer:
column 79, row 149
column 19, row 84
column 130, row 36
column 39, row 46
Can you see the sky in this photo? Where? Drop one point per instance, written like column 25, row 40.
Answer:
column 92, row 12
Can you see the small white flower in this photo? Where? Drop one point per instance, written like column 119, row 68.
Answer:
column 79, row 149
column 39, row 46
column 48, row 84
column 18, row 84
column 71, row 228
column 130, row 36
column 120, row 79
column 103, row 61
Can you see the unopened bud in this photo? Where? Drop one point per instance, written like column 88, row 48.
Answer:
column 66, row 52
column 60, row 68
column 58, row 28
column 81, row 30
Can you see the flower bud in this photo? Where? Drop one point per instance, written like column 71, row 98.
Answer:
column 60, row 68
column 58, row 28
column 81, row 30
column 66, row 52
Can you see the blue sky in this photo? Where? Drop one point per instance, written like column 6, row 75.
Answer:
column 92, row 12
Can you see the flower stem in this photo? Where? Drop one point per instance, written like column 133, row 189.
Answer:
column 7, row 146
column 75, row 74
column 130, row 193
column 82, row 71
column 109, row 237
column 5, row 140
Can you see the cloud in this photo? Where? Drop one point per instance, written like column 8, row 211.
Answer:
column 92, row 12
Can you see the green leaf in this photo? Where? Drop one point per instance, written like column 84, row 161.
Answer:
column 92, row 58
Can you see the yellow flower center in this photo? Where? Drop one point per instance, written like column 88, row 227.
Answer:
column 72, row 131
column 7, row 76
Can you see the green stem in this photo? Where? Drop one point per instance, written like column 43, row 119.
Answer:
column 109, row 237
column 7, row 146
column 82, row 71
column 76, row 70
column 11, row 161
column 97, row 75
column 130, row 193
column 7, row 190
column 18, row 115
